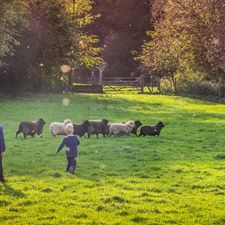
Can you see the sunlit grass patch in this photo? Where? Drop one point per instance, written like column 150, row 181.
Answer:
column 177, row 178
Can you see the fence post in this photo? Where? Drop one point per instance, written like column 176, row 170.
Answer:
column 101, row 69
column 100, row 82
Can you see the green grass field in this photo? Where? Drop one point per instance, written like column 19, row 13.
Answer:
column 177, row 178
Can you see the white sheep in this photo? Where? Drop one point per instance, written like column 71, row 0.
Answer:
column 121, row 128
column 57, row 128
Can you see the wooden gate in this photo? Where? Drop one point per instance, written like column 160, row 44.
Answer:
column 119, row 83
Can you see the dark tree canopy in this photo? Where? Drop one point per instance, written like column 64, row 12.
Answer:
column 38, row 37
column 121, row 27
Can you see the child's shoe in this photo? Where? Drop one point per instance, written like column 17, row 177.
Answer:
column 71, row 170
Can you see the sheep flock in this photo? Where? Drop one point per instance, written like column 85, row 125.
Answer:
column 90, row 127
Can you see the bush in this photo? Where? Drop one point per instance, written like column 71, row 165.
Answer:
column 192, row 83
column 166, row 86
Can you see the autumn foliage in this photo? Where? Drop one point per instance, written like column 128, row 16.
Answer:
column 187, row 45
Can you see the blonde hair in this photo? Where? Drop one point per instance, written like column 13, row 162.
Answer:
column 68, row 129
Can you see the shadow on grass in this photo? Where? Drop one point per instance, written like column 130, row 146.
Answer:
column 205, row 99
column 13, row 192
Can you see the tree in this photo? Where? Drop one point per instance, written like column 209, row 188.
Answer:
column 188, row 36
column 55, row 36
column 13, row 22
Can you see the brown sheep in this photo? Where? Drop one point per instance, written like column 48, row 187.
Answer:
column 137, row 124
column 151, row 130
column 31, row 128
column 81, row 129
column 97, row 127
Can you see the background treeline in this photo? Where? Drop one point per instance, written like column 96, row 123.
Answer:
column 182, row 42
column 187, row 46
column 37, row 37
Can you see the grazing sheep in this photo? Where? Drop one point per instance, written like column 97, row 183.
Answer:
column 137, row 124
column 97, row 127
column 121, row 128
column 107, row 129
column 151, row 130
column 31, row 128
column 81, row 129
column 57, row 128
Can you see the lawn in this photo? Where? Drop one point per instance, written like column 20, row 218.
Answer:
column 177, row 178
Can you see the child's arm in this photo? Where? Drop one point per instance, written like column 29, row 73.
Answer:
column 60, row 147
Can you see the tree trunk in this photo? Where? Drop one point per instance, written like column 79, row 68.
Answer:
column 158, row 85
column 174, row 82
column 220, row 86
column 142, row 83
column 100, row 78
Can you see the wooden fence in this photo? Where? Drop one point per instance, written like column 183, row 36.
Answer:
column 119, row 83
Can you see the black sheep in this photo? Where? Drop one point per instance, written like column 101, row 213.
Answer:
column 31, row 128
column 137, row 124
column 97, row 127
column 151, row 130
column 80, row 129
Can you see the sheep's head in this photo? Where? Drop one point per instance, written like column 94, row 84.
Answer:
column 160, row 124
column 130, row 124
column 137, row 123
column 67, row 121
column 41, row 122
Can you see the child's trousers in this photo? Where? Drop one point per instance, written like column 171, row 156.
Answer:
column 71, row 164
column 1, row 168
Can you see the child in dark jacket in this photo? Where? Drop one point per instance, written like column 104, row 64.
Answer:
column 71, row 142
column 2, row 150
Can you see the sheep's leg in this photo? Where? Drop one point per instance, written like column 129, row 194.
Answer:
column 97, row 135
column 53, row 134
column 39, row 134
column 89, row 135
column 18, row 132
column 25, row 136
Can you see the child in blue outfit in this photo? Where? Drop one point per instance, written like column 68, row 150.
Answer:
column 2, row 150
column 71, row 142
